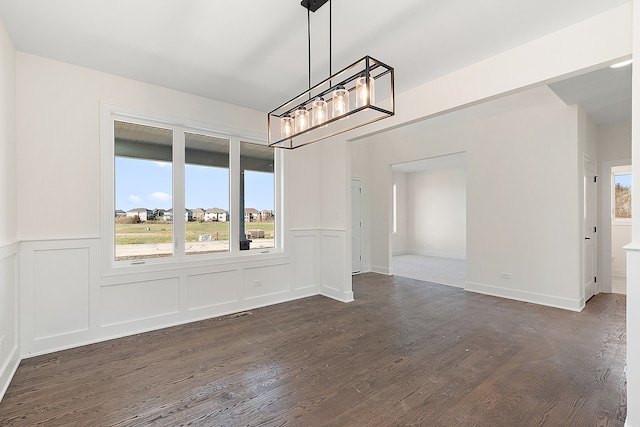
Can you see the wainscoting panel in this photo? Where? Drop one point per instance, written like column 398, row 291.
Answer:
column 68, row 299
column 61, row 291
column 139, row 300
column 304, row 260
column 336, row 278
column 9, row 354
column 211, row 289
column 265, row 281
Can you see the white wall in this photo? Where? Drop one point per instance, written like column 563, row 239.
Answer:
column 68, row 298
column 437, row 212
column 522, row 192
column 9, row 354
column 614, row 141
column 620, row 237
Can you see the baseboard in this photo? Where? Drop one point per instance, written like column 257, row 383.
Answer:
column 141, row 326
column 337, row 295
column 438, row 254
column 8, row 370
column 548, row 300
column 381, row 270
column 619, row 273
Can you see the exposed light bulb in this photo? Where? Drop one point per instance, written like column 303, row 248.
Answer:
column 340, row 101
column 301, row 119
column 318, row 111
column 362, row 92
column 286, row 126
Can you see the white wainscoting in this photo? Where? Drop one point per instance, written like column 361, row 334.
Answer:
column 9, row 350
column 305, row 244
column 66, row 301
column 335, row 283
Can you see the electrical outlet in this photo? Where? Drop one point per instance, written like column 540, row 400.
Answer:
column 257, row 283
column 505, row 275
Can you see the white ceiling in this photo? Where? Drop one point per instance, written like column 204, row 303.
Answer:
column 605, row 94
column 254, row 54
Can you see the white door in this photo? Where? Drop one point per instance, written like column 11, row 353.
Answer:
column 589, row 244
column 356, row 225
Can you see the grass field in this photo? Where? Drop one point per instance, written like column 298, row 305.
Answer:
column 162, row 232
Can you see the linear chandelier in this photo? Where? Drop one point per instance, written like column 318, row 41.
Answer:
column 360, row 94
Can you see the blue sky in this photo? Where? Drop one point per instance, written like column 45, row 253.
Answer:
column 148, row 184
column 624, row 180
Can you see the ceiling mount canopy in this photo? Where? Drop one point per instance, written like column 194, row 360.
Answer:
column 359, row 94
column 313, row 5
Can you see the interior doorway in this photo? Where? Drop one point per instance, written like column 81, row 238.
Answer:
column 616, row 223
column 428, row 238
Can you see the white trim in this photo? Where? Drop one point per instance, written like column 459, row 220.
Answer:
column 111, row 112
column 382, row 270
column 8, row 370
column 550, row 301
column 10, row 364
column 437, row 254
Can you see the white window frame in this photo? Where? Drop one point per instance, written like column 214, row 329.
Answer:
column 618, row 170
column 109, row 114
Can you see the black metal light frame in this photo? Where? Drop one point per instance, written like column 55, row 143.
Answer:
column 374, row 108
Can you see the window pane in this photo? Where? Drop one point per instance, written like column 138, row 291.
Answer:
column 206, row 194
column 622, row 196
column 257, row 197
column 143, row 187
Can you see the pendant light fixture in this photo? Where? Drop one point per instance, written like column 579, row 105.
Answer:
column 360, row 94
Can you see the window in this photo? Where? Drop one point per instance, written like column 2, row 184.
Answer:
column 206, row 191
column 257, row 184
column 143, row 187
column 183, row 193
column 621, row 180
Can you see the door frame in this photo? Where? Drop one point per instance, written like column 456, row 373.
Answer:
column 358, row 200
column 606, row 224
column 590, row 287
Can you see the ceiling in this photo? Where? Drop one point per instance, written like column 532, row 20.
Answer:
column 605, row 94
column 254, row 54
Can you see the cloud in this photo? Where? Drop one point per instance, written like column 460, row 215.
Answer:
column 163, row 164
column 159, row 196
column 134, row 199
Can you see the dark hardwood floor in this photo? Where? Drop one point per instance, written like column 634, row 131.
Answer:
column 405, row 353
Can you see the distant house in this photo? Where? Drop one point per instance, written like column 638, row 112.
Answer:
column 159, row 213
column 251, row 215
column 142, row 213
column 198, row 213
column 266, row 215
column 216, row 214
column 120, row 213
column 188, row 215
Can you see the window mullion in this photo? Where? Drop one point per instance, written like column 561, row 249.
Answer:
column 178, row 193
column 234, row 194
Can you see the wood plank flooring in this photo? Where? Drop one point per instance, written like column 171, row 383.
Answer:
column 405, row 353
